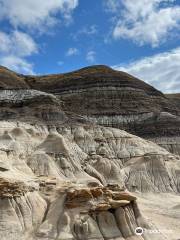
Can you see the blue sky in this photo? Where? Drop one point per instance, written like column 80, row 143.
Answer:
column 140, row 37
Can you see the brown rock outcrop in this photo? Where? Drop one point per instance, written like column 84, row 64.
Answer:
column 98, row 198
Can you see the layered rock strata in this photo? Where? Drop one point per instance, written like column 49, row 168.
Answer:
column 110, row 98
column 116, row 99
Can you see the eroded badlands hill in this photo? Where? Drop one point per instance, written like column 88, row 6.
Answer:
column 110, row 98
column 63, row 177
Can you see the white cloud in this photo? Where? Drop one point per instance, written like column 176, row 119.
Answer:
column 28, row 15
column 91, row 56
column 112, row 5
column 160, row 70
column 14, row 47
column 86, row 31
column 35, row 13
column 4, row 42
column 17, row 64
column 72, row 52
column 89, row 30
column 146, row 21
column 22, row 44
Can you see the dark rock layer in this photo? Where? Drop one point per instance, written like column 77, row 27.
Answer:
column 30, row 106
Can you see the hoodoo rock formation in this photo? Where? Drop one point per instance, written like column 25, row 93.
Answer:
column 69, row 171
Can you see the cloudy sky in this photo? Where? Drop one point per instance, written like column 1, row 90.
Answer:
column 141, row 37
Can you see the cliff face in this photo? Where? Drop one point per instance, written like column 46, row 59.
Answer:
column 63, row 177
